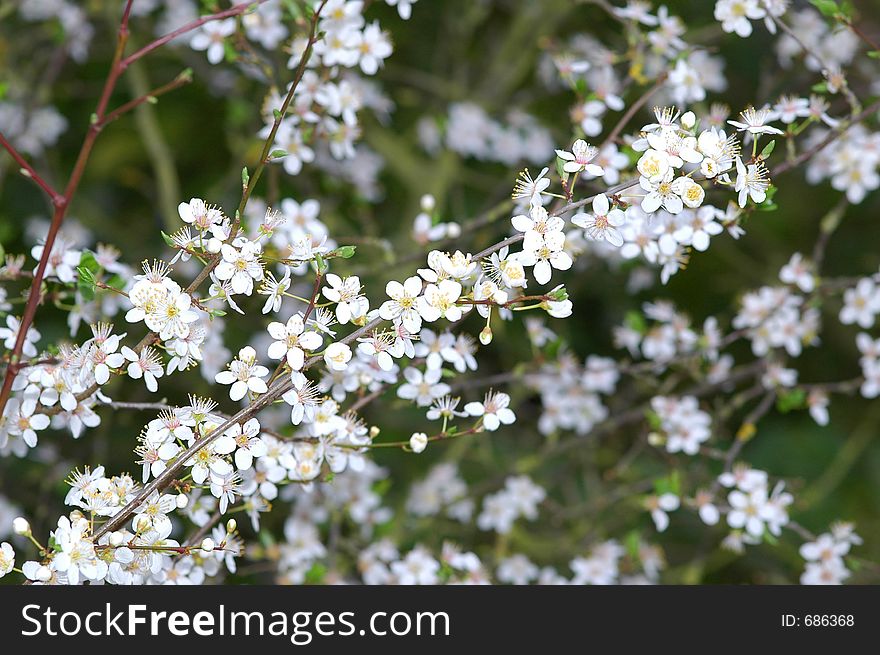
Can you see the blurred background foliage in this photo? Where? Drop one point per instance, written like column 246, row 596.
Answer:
column 194, row 141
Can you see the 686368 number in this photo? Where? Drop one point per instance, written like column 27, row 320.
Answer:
column 818, row 620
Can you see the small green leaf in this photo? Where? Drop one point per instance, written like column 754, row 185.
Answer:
column 316, row 574
column 768, row 149
column 563, row 175
column 828, row 8
column 87, row 274
column 276, row 154
column 167, row 239
column 654, row 419
column 559, row 294
column 791, row 400
column 632, row 543
column 635, row 321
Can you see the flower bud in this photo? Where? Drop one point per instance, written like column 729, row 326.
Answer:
column 486, row 336
column 231, row 525
column 427, row 203
column 418, row 442
column 116, row 538
column 44, row 574
column 453, row 230
column 182, row 501
column 21, row 527
column 688, row 120
column 207, row 544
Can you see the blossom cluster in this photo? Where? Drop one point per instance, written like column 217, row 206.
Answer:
column 318, row 355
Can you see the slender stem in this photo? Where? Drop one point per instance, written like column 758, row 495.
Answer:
column 184, row 78
column 638, row 104
column 61, row 204
column 270, row 140
column 828, row 140
column 189, row 27
column 62, row 201
column 28, row 171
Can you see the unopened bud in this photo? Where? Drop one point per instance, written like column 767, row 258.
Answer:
column 231, row 525
column 486, row 336
column 207, row 544
column 453, row 230
column 21, row 527
column 182, row 501
column 688, row 120
column 116, row 538
column 418, row 442
column 427, row 203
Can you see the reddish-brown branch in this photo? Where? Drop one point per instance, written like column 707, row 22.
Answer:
column 176, row 83
column 236, row 10
column 61, row 204
column 62, row 201
column 28, row 171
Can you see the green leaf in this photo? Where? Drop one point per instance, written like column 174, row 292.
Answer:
column 668, row 485
column 245, row 177
column 275, row 154
column 873, row 54
column 559, row 294
column 828, row 8
column 346, row 252
column 316, row 574
column 635, row 321
column 321, row 264
column 167, row 239
column 85, row 283
column 790, row 400
column 632, row 542
column 87, row 260
column 821, row 87
column 768, row 149
column 563, row 175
